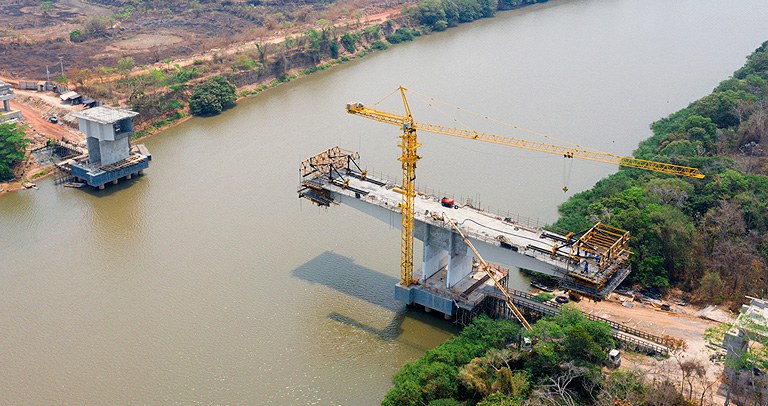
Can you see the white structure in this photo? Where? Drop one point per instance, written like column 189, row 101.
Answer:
column 107, row 130
column 6, row 112
column 752, row 324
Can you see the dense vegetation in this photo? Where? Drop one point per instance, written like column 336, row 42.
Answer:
column 706, row 236
column 12, row 144
column 485, row 365
column 212, row 96
column 437, row 15
column 317, row 35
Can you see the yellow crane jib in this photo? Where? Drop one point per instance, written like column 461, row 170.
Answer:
column 569, row 152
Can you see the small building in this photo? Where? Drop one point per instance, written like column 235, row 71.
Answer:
column 750, row 328
column 6, row 112
column 89, row 102
column 71, row 97
column 110, row 156
column 32, row 85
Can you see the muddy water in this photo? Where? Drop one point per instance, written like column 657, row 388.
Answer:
column 208, row 281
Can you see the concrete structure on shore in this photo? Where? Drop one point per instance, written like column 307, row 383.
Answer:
column 6, row 112
column 110, row 156
column 751, row 325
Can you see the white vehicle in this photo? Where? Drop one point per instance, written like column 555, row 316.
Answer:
column 614, row 358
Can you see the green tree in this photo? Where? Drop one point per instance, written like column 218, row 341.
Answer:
column 436, row 374
column 711, row 287
column 349, row 41
column 76, row 36
column 125, row 64
column 12, row 143
column 402, row 34
column 212, row 96
column 568, row 336
column 432, row 14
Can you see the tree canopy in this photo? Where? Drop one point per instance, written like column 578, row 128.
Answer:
column 12, row 143
column 708, row 236
column 212, row 96
column 484, row 365
column 437, row 15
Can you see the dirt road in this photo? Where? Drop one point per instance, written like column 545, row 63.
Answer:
column 38, row 126
column 679, row 323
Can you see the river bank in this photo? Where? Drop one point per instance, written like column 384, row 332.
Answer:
column 393, row 19
column 208, row 281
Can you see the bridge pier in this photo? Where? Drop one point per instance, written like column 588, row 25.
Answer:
column 443, row 248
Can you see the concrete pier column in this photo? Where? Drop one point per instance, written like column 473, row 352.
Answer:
column 114, row 182
column 101, row 187
column 459, row 261
column 129, row 176
column 141, row 171
column 435, row 248
column 434, row 259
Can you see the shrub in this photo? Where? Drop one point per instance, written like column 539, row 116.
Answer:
column 12, row 143
column 212, row 96
column 76, row 36
column 403, row 34
column 379, row 45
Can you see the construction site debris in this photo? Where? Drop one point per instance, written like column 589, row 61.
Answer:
column 713, row 313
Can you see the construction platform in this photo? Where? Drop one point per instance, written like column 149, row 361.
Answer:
column 592, row 263
column 78, row 169
column 434, row 294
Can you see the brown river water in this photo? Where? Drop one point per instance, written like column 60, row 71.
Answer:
column 208, row 281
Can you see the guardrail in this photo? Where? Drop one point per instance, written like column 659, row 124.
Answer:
column 628, row 336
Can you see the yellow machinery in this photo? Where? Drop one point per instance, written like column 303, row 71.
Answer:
column 408, row 158
column 489, row 272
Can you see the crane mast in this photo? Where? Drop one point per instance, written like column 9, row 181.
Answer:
column 408, row 159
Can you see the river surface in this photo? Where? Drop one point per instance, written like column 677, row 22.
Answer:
column 208, row 281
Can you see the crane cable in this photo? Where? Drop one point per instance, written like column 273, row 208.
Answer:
column 453, row 119
column 567, row 170
column 495, row 120
column 397, row 89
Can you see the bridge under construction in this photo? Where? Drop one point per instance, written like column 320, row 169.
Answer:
column 592, row 263
column 460, row 240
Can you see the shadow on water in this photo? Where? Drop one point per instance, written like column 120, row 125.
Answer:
column 110, row 189
column 344, row 275
column 390, row 332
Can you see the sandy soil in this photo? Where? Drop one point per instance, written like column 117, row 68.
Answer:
column 278, row 38
column 146, row 41
column 36, row 116
column 681, row 322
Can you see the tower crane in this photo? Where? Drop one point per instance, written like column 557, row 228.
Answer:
column 409, row 157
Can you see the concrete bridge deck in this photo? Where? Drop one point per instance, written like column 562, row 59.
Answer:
column 499, row 240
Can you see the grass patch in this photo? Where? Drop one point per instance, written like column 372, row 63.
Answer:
column 543, row 297
column 42, row 173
